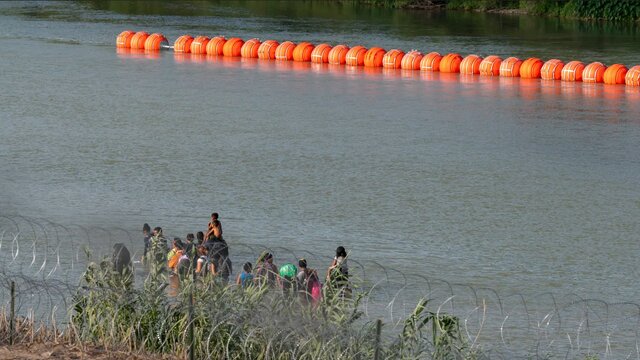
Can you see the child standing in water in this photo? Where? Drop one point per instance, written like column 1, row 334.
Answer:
column 245, row 278
column 338, row 272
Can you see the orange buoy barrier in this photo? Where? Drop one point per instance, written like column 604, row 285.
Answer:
column 373, row 57
column 633, row 76
column 510, row 67
column 531, row 68
column 431, row 62
column 490, row 66
column 232, row 47
column 183, row 44
column 138, row 39
column 199, row 45
column 155, row 41
column 615, row 74
column 215, row 46
column 393, row 59
column 320, row 54
column 470, row 65
column 552, row 70
column 411, row 60
column 303, row 51
column 284, row 51
column 250, row 48
column 450, row 63
column 355, row 56
column 123, row 41
column 338, row 55
column 267, row 50
column 594, row 73
column 572, row 71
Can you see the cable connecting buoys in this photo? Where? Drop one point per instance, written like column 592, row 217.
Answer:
column 594, row 72
column 450, row 63
column 531, row 68
column 552, row 70
column 355, row 56
column 320, row 54
column 374, row 56
column 199, row 45
column 490, row 66
column 411, row 60
column 393, row 59
column 123, row 41
column 183, row 44
column 232, row 47
column 431, row 62
column 633, row 76
column 138, row 39
column 338, row 55
column 302, row 52
column 267, row 50
column 470, row 65
column 615, row 74
column 284, row 51
column 155, row 42
column 572, row 71
column 250, row 48
column 510, row 67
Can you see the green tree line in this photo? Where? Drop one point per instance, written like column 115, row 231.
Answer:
column 620, row 10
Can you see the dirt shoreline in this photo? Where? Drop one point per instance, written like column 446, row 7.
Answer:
column 61, row 351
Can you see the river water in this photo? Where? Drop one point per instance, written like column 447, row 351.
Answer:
column 525, row 187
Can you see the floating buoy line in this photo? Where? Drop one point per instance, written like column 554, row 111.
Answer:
column 532, row 68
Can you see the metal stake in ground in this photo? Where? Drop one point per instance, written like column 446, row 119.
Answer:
column 12, row 313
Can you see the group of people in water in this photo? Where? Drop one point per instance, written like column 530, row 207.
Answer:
column 207, row 254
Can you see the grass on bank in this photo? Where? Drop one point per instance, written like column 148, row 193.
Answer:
column 253, row 323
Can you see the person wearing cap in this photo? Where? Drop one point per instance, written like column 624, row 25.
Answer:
column 287, row 278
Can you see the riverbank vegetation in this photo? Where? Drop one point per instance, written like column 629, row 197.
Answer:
column 617, row 10
column 217, row 321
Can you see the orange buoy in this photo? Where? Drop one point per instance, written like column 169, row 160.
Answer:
column 373, row 57
column 552, row 70
column 572, row 71
column 450, row 63
column 320, row 54
column 470, row 65
column 138, row 39
column 355, row 56
column 199, row 45
column 303, row 51
column 338, row 55
column 510, row 67
column 267, row 50
column 215, row 46
column 232, row 47
column 531, row 68
column 411, row 60
column 490, row 66
column 284, row 51
column 615, row 74
column 183, row 44
column 155, row 41
column 633, row 76
column 250, row 48
column 393, row 59
column 594, row 73
column 123, row 41
column 431, row 62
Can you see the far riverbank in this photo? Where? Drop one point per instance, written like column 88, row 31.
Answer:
column 614, row 10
